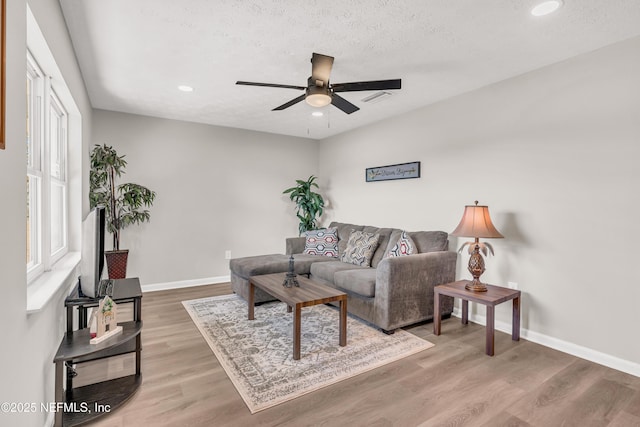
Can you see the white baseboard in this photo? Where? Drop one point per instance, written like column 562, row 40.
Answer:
column 185, row 283
column 560, row 345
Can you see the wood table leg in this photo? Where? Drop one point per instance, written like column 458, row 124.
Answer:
column 343, row 322
column 465, row 311
column 251, row 299
column 296, row 331
column 137, row 308
column 59, row 393
column 138, row 355
column 515, row 321
column 490, row 329
column 437, row 318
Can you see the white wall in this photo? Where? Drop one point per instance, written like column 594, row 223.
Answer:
column 554, row 154
column 217, row 189
column 29, row 341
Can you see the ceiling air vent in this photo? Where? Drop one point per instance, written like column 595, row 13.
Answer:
column 377, row 97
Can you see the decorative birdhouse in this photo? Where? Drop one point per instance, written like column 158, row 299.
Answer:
column 107, row 316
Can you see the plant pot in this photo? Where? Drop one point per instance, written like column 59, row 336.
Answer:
column 117, row 263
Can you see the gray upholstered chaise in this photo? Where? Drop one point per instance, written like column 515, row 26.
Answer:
column 392, row 293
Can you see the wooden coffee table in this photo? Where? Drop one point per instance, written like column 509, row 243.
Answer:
column 309, row 293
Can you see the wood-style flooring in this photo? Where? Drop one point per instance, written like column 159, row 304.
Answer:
column 451, row 384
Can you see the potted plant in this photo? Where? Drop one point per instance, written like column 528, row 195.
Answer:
column 309, row 205
column 124, row 203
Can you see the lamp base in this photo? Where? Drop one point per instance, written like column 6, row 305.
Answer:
column 476, row 268
column 476, row 286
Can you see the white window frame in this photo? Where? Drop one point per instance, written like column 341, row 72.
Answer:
column 35, row 107
column 42, row 105
column 56, row 107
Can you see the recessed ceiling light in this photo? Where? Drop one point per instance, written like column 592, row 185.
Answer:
column 317, row 114
column 185, row 88
column 546, row 7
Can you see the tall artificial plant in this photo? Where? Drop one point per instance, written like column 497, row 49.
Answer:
column 309, row 204
column 124, row 203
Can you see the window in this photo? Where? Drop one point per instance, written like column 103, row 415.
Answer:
column 47, row 211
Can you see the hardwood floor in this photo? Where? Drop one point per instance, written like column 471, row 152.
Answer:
column 452, row 384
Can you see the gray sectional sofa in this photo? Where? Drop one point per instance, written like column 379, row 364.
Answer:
column 391, row 293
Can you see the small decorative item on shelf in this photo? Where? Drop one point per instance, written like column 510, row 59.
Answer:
column 105, row 317
column 290, row 279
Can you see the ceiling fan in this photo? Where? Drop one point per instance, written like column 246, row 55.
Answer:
column 319, row 92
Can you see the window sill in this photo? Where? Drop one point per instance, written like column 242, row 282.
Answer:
column 64, row 272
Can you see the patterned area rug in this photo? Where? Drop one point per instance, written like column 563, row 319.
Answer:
column 258, row 355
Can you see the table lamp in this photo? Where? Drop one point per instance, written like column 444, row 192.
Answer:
column 476, row 223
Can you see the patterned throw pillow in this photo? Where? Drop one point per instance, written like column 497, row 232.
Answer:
column 360, row 248
column 322, row 242
column 404, row 246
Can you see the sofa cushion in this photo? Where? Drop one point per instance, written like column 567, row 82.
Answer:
column 430, row 241
column 360, row 248
column 274, row 263
column 344, row 231
column 403, row 246
column 383, row 242
column 361, row 282
column 326, row 270
column 322, row 242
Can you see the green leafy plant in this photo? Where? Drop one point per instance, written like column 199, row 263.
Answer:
column 124, row 203
column 309, row 204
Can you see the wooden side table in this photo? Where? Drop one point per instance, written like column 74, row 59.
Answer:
column 94, row 400
column 494, row 296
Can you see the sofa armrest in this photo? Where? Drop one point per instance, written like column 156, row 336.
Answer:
column 295, row 245
column 404, row 287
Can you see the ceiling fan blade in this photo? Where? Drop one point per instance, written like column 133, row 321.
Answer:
column 343, row 104
column 270, row 85
column 321, row 68
column 290, row 103
column 372, row 85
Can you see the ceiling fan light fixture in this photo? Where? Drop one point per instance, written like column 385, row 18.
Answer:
column 317, row 96
column 546, row 7
column 318, row 100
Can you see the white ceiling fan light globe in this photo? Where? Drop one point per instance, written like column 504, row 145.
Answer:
column 318, row 100
column 546, row 7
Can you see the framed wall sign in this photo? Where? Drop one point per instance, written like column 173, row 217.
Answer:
column 386, row 173
column 3, row 42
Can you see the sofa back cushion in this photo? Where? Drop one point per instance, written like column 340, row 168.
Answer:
column 430, row 241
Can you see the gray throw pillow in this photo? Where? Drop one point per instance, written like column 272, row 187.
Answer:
column 360, row 248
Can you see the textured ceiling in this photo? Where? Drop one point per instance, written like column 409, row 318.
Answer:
column 134, row 53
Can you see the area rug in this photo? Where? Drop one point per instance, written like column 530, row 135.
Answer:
column 258, row 354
